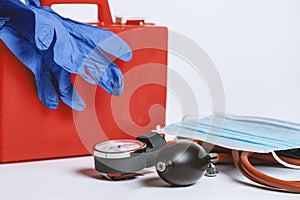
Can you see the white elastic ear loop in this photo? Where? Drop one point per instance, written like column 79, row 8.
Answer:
column 279, row 160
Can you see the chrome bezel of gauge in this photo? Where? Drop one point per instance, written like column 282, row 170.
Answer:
column 118, row 154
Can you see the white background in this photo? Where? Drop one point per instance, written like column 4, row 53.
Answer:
column 254, row 44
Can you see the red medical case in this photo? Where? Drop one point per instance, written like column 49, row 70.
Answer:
column 30, row 131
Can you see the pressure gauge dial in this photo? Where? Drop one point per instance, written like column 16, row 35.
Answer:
column 116, row 159
column 118, row 148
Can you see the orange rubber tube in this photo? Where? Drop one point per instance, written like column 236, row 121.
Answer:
column 237, row 163
column 241, row 161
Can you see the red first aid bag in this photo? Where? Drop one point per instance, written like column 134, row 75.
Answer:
column 30, row 131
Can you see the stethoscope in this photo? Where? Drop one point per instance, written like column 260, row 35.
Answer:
column 183, row 162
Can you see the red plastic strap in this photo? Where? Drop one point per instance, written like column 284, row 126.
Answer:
column 104, row 14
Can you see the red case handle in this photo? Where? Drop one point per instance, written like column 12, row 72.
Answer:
column 104, row 14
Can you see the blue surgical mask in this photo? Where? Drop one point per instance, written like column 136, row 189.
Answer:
column 252, row 134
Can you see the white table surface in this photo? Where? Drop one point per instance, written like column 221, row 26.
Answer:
column 75, row 178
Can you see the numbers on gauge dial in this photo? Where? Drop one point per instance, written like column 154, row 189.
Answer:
column 119, row 146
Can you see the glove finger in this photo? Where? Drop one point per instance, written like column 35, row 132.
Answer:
column 67, row 91
column 104, row 71
column 96, row 37
column 116, row 46
column 112, row 80
column 44, row 36
column 77, row 102
column 95, row 64
column 46, row 91
column 45, row 26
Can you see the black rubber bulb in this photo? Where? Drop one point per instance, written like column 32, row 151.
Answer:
column 182, row 163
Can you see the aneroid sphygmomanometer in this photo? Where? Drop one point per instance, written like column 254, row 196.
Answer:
column 240, row 140
column 119, row 159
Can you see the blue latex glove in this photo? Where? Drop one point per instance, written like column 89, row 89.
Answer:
column 48, row 89
column 77, row 47
column 81, row 47
column 50, row 36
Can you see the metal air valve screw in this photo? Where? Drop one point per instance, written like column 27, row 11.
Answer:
column 161, row 166
column 212, row 170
